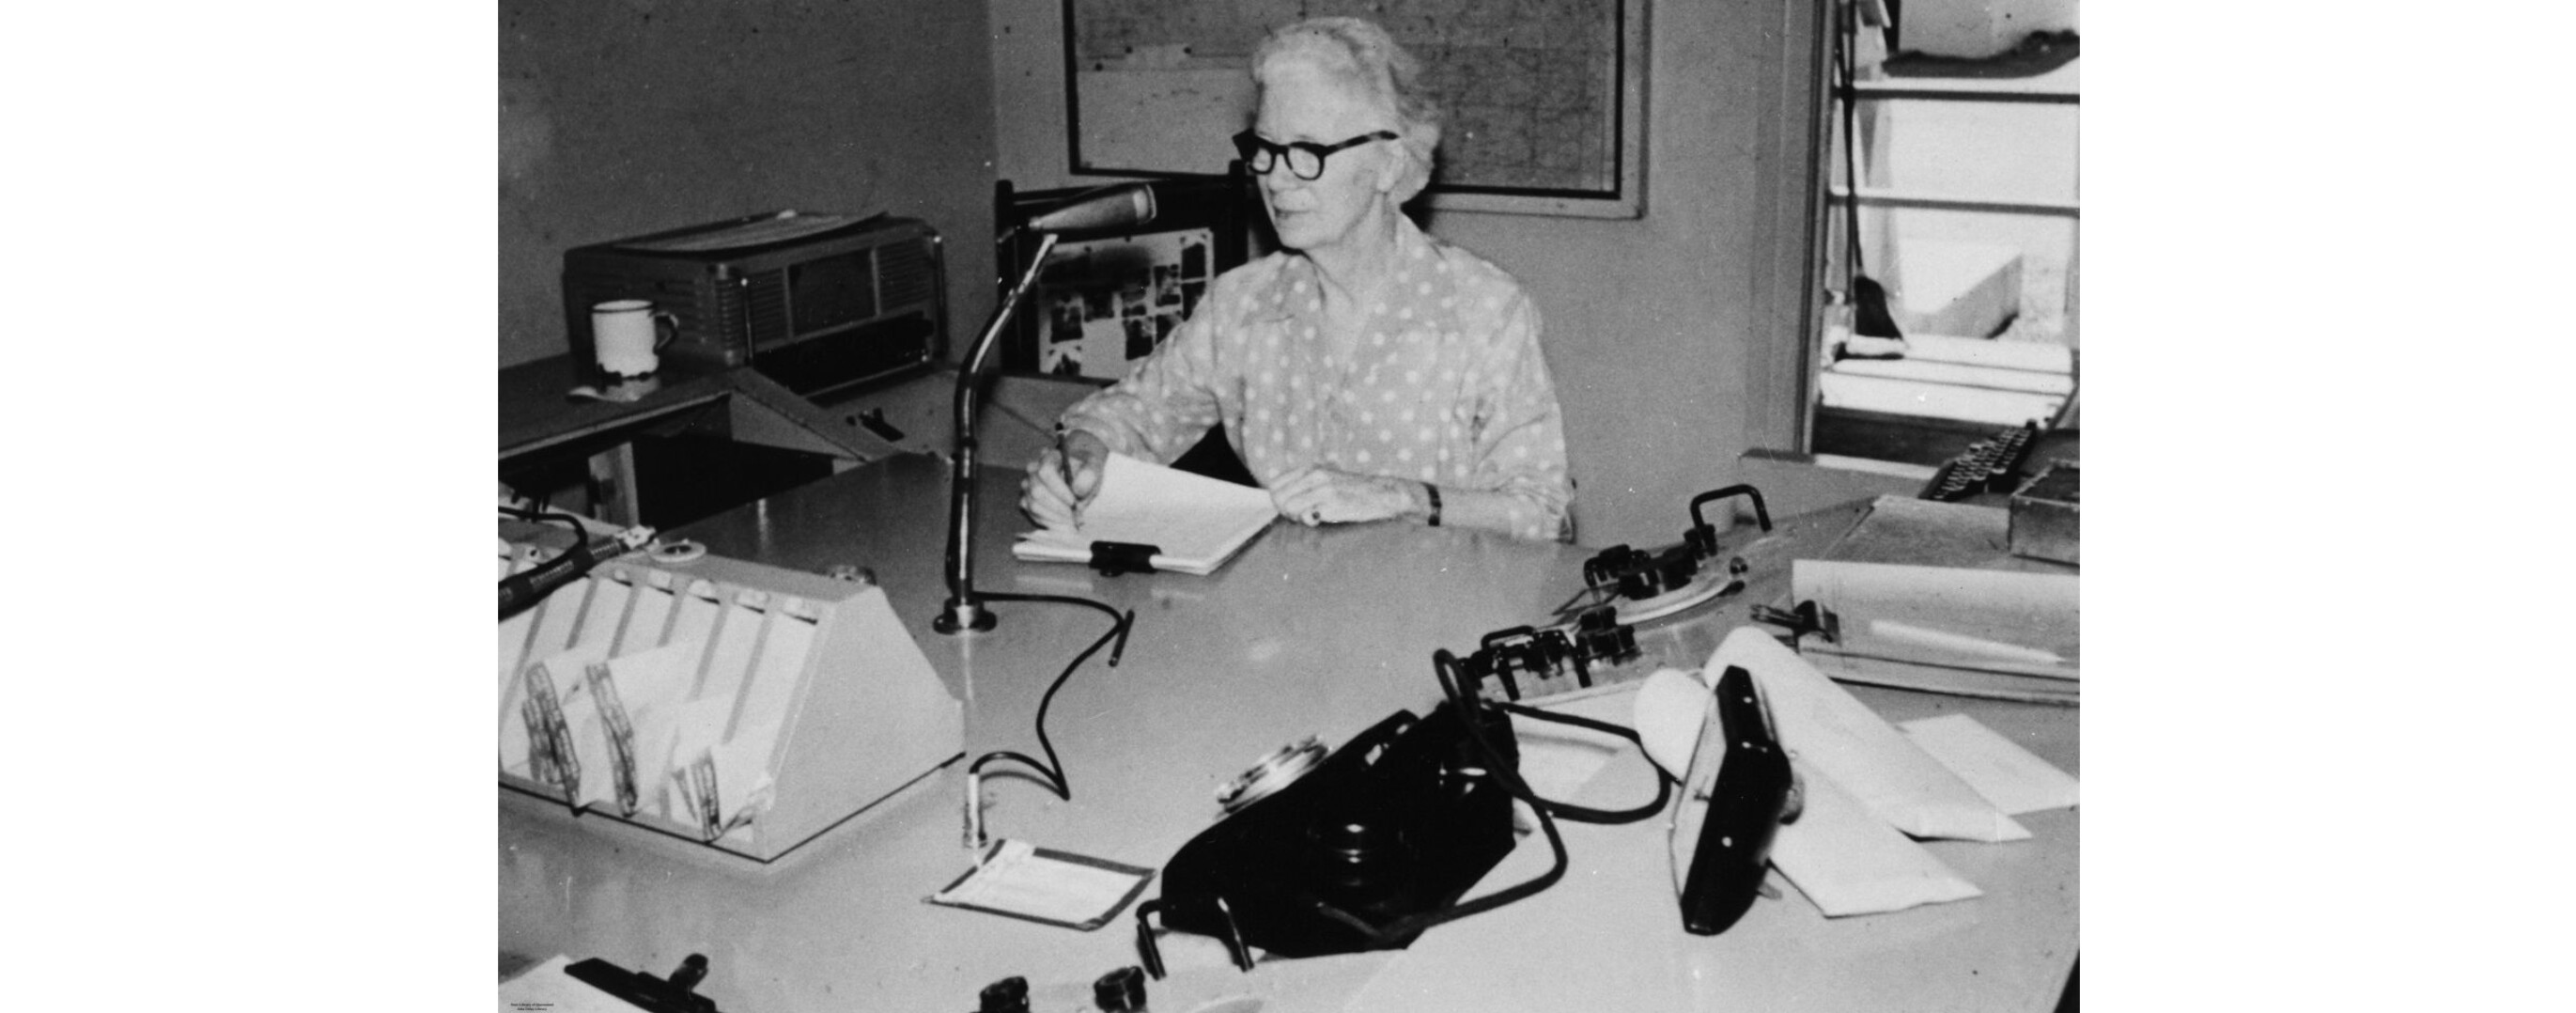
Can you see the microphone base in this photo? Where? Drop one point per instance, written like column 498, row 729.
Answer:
column 962, row 617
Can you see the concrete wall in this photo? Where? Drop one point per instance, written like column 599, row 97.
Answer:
column 1674, row 337
column 628, row 117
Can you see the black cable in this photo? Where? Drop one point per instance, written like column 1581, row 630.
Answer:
column 1584, row 814
column 1453, row 690
column 1441, row 663
column 1052, row 771
column 523, row 590
column 580, row 534
column 540, row 513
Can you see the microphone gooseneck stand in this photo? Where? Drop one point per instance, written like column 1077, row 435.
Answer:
column 1113, row 208
column 964, row 612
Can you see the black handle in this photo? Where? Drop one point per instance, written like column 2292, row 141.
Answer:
column 1761, row 514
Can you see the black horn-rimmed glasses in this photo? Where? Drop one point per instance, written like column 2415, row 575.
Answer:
column 1305, row 158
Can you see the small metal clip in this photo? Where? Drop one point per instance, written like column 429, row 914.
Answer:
column 550, row 736
column 1600, row 637
column 1808, row 619
column 621, row 736
column 702, row 791
column 1115, row 558
column 1512, row 652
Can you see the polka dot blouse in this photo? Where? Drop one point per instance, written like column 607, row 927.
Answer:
column 1444, row 383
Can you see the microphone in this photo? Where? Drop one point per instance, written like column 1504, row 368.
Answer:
column 1109, row 209
column 522, row 591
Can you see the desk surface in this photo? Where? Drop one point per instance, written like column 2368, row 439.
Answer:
column 1317, row 632
column 538, row 413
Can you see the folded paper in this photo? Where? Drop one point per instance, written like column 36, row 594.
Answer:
column 1849, row 862
column 1831, row 730
column 2013, row 778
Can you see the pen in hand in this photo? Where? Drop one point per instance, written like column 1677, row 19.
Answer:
column 1064, row 464
column 1078, row 455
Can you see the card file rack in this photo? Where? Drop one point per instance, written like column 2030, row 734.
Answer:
column 742, row 706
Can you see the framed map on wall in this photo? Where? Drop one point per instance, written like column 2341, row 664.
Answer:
column 1543, row 99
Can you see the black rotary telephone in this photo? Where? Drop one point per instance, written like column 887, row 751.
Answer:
column 1339, row 858
column 1368, row 847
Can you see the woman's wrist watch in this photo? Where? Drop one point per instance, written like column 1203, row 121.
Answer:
column 1433, row 493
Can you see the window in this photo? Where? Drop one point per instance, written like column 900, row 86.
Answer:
column 1964, row 145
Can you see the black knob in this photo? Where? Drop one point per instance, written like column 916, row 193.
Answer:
column 1600, row 636
column 1009, row 995
column 690, row 972
column 1355, row 856
column 1120, row 991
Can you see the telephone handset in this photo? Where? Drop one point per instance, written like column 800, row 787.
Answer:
column 1733, row 799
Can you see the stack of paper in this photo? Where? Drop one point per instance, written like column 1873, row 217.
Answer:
column 1194, row 522
column 1987, row 633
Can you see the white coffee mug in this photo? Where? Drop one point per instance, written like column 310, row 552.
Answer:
column 625, row 333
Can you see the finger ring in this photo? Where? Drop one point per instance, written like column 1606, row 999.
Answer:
column 1315, row 516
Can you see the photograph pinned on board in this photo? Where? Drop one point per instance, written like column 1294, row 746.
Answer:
column 1108, row 303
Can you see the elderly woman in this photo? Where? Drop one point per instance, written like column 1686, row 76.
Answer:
column 1366, row 371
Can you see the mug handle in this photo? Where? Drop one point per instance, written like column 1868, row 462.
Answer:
column 658, row 317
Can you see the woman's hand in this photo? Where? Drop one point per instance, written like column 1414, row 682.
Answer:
column 1320, row 495
column 1063, row 479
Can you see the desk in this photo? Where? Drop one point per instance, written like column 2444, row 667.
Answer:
column 910, row 415
column 1307, row 632
column 539, row 421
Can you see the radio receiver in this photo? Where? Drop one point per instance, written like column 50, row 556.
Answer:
column 818, row 302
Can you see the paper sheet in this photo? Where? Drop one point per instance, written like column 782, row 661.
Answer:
column 652, row 684
column 547, row 988
column 1023, row 880
column 1670, row 707
column 1104, row 348
column 1992, row 633
column 697, row 728
column 1197, row 522
column 1850, row 862
column 2014, row 779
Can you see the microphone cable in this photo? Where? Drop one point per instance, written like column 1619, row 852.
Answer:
column 1050, row 772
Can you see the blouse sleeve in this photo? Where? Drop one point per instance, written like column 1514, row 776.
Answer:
column 1162, row 409
column 1519, row 432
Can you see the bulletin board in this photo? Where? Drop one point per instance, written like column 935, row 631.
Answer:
column 1544, row 99
column 1101, row 306
column 1102, row 303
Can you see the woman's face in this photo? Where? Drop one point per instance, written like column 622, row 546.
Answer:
column 1301, row 102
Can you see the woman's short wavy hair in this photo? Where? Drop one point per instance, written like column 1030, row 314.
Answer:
column 1363, row 54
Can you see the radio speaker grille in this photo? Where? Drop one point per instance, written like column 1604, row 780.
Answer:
column 767, row 298
column 906, row 273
